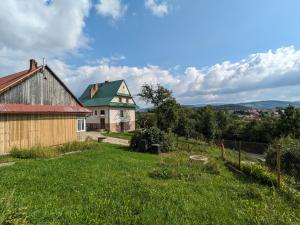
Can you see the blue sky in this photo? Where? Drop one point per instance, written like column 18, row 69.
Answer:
column 206, row 51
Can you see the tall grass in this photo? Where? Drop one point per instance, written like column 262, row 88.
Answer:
column 41, row 152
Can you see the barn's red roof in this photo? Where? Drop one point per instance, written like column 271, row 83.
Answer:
column 6, row 81
column 40, row 109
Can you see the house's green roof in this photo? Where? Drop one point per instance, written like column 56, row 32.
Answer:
column 107, row 91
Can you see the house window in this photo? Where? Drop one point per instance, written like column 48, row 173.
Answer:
column 127, row 100
column 102, row 112
column 122, row 113
column 120, row 99
column 95, row 113
column 80, row 124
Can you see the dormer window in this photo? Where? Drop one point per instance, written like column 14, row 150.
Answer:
column 120, row 99
column 127, row 100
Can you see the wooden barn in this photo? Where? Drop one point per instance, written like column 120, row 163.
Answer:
column 37, row 108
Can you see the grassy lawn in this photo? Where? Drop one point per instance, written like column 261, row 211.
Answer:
column 122, row 135
column 110, row 185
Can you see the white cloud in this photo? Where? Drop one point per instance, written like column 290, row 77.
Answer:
column 111, row 8
column 261, row 76
column 79, row 77
column 158, row 9
column 39, row 29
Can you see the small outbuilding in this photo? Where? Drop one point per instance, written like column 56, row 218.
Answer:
column 37, row 108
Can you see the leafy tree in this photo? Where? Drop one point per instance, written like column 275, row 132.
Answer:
column 207, row 123
column 186, row 124
column 289, row 122
column 155, row 95
column 168, row 114
column 158, row 96
column 145, row 119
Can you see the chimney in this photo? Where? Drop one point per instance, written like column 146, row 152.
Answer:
column 94, row 90
column 33, row 65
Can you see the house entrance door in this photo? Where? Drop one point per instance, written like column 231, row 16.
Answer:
column 102, row 123
column 122, row 124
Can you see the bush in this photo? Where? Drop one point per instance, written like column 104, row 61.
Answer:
column 154, row 136
column 167, row 142
column 290, row 156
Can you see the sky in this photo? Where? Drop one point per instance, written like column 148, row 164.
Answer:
column 205, row 51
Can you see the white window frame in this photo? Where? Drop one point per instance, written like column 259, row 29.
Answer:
column 83, row 122
column 122, row 113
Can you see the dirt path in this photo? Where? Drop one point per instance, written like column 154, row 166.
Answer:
column 94, row 135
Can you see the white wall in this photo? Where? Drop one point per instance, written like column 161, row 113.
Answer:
column 115, row 117
column 116, row 99
column 96, row 118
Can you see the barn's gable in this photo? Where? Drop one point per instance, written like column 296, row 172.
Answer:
column 42, row 87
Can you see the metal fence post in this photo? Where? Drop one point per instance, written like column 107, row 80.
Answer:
column 278, row 156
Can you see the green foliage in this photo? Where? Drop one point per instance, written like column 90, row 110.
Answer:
column 207, row 123
column 155, row 95
column 167, row 142
column 38, row 152
column 186, row 124
column 145, row 120
column 153, row 135
column 258, row 172
column 290, row 156
column 168, row 114
column 289, row 122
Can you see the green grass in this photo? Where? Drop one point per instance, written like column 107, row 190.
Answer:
column 122, row 135
column 111, row 185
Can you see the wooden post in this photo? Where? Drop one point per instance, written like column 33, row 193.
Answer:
column 278, row 156
column 240, row 146
column 222, row 149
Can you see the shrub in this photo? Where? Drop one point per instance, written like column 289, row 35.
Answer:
column 135, row 139
column 167, row 142
column 290, row 156
column 154, row 136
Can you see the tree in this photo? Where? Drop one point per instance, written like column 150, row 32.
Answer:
column 168, row 113
column 145, row 119
column 289, row 122
column 156, row 96
column 207, row 123
column 186, row 124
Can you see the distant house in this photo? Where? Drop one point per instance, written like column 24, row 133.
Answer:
column 112, row 105
column 37, row 108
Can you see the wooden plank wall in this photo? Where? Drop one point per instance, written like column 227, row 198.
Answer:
column 25, row 131
column 39, row 89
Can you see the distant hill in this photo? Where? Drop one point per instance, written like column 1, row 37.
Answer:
column 271, row 104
